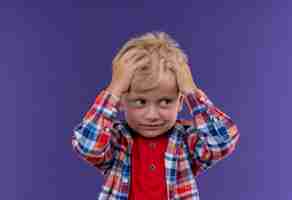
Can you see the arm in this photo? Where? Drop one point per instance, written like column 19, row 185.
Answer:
column 94, row 137
column 212, row 136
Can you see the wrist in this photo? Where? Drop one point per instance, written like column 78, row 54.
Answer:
column 114, row 91
column 189, row 90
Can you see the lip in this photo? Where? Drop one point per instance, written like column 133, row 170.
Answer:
column 151, row 127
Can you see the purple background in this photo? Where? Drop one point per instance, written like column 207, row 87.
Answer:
column 56, row 55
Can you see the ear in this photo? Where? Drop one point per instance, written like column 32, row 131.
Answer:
column 121, row 106
column 181, row 102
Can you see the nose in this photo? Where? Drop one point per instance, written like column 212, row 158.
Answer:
column 152, row 113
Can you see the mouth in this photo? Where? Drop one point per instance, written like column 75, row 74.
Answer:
column 151, row 126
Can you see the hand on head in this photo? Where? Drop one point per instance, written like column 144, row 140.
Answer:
column 124, row 68
column 150, row 53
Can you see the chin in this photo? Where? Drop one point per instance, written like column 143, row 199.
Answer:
column 152, row 133
column 149, row 132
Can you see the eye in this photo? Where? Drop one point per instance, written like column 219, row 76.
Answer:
column 165, row 102
column 138, row 102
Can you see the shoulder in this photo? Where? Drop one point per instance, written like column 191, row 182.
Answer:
column 184, row 123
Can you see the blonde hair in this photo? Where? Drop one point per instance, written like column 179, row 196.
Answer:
column 159, row 44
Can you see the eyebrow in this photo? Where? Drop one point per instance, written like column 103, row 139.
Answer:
column 143, row 97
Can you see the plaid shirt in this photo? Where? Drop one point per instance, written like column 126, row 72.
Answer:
column 193, row 146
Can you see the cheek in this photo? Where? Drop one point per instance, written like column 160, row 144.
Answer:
column 134, row 114
column 169, row 115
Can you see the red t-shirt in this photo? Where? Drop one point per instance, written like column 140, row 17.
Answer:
column 148, row 172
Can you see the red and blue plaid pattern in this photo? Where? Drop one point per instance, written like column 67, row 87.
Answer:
column 193, row 145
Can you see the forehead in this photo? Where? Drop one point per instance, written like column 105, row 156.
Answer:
column 167, row 88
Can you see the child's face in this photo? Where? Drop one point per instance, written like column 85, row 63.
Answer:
column 153, row 112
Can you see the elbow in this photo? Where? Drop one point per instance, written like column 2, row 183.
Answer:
column 231, row 145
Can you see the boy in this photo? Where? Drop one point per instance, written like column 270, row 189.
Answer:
column 151, row 154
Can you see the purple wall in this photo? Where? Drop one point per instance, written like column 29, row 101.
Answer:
column 56, row 55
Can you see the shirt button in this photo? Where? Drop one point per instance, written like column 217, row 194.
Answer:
column 152, row 167
column 152, row 145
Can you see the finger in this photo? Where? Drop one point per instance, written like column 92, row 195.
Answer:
column 139, row 56
column 177, row 60
column 130, row 57
column 133, row 54
column 162, row 62
column 141, row 62
column 128, row 53
column 171, row 66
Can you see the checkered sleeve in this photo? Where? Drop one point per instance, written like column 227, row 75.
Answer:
column 212, row 135
column 93, row 138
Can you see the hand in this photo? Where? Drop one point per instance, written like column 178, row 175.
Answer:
column 183, row 74
column 124, row 68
